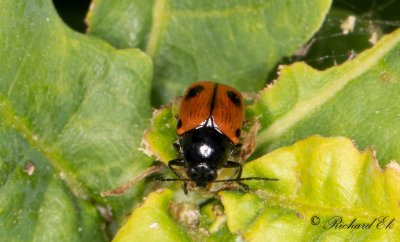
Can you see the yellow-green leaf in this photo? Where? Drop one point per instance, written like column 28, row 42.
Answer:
column 152, row 221
column 324, row 184
column 322, row 180
column 358, row 99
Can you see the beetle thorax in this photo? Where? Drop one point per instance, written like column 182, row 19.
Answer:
column 205, row 150
column 205, row 145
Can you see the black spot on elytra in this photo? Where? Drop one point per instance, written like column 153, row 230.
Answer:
column 179, row 124
column 238, row 133
column 234, row 98
column 194, row 91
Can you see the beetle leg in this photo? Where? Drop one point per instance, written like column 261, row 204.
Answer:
column 177, row 147
column 232, row 164
column 236, row 150
column 238, row 146
column 178, row 162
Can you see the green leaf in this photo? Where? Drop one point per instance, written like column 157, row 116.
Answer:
column 152, row 221
column 358, row 99
column 319, row 177
column 72, row 113
column 160, row 137
column 232, row 42
column 323, row 177
column 214, row 224
column 245, row 208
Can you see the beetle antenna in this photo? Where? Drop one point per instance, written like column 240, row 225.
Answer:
column 174, row 179
column 170, row 179
column 249, row 178
column 225, row 180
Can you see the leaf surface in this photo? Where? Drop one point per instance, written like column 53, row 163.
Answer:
column 152, row 221
column 321, row 180
column 232, row 42
column 72, row 113
column 358, row 99
column 324, row 178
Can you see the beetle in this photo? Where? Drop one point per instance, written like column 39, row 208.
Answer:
column 209, row 126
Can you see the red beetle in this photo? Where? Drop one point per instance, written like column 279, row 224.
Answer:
column 209, row 126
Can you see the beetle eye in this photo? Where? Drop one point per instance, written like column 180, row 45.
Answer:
column 192, row 173
column 201, row 175
column 211, row 176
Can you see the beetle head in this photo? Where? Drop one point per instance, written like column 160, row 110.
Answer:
column 202, row 174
